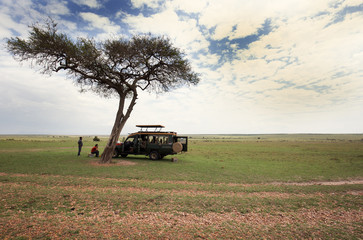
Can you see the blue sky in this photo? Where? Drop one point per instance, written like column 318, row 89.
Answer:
column 266, row 66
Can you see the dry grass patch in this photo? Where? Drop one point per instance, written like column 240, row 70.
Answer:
column 45, row 206
column 305, row 223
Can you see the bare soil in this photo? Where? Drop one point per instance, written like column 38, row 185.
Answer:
column 118, row 163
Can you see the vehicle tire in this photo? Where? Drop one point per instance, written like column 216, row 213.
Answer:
column 177, row 147
column 115, row 154
column 124, row 155
column 154, row 155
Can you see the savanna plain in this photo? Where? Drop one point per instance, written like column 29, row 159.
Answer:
column 225, row 187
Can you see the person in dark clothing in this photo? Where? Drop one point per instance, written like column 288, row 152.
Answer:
column 95, row 150
column 80, row 144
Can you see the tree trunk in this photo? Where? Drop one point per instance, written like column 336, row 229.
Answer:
column 120, row 121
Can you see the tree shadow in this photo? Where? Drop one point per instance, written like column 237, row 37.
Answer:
column 145, row 159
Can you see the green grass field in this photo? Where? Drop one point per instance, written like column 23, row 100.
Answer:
column 225, row 187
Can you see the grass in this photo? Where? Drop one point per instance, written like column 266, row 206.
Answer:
column 213, row 161
column 225, row 187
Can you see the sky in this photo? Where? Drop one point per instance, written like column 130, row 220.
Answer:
column 266, row 66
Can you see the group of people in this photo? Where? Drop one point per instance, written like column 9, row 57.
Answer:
column 94, row 150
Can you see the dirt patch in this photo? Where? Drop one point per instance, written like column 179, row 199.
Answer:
column 326, row 183
column 112, row 164
column 311, row 183
column 179, row 192
column 130, row 163
column 356, row 193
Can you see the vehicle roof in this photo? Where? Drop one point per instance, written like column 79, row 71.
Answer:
column 153, row 133
column 150, row 126
column 156, row 131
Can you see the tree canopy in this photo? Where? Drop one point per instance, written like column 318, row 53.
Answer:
column 119, row 66
column 113, row 67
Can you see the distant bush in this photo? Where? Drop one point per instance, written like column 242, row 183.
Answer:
column 96, row 139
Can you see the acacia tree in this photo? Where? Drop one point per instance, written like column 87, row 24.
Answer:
column 114, row 67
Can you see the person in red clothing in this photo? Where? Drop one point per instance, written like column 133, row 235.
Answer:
column 95, row 150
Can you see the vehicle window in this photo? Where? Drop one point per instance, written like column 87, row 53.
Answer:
column 182, row 140
column 159, row 139
column 164, row 140
column 143, row 140
column 130, row 142
column 131, row 139
column 154, row 139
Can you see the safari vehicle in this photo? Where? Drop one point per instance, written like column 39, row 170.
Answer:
column 151, row 141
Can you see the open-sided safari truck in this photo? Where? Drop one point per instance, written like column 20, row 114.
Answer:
column 151, row 141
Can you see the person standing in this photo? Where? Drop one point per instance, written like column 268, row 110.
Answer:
column 80, row 144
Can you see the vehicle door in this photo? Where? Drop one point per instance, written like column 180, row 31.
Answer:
column 165, row 144
column 131, row 145
column 153, row 143
column 143, row 141
column 184, row 141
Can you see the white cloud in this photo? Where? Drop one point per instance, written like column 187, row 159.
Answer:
column 297, row 70
column 35, row 103
column 224, row 16
column 7, row 25
column 23, row 11
column 56, row 7
column 207, row 59
column 148, row 3
column 88, row 3
column 183, row 32
column 188, row 6
column 99, row 22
